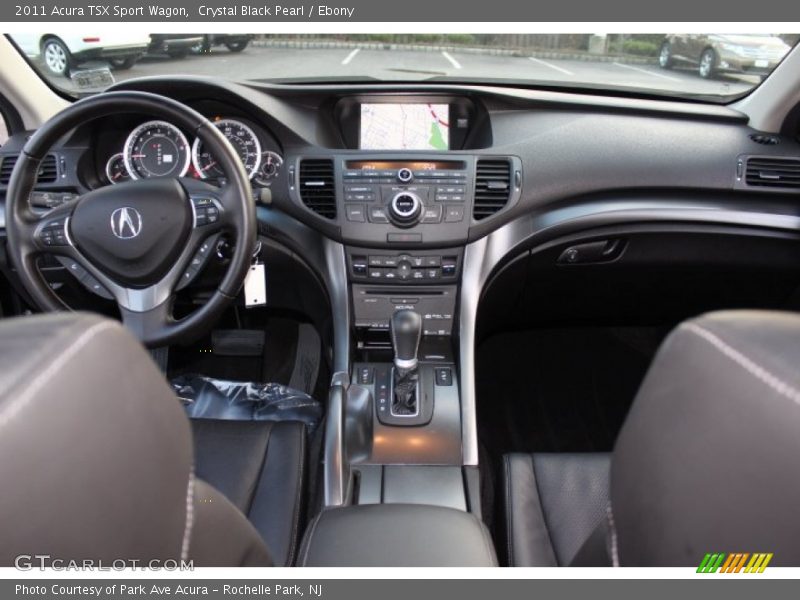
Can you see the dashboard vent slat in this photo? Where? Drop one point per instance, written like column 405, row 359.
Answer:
column 773, row 172
column 317, row 188
column 492, row 187
column 48, row 170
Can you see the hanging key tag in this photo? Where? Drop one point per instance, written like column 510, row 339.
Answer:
column 255, row 284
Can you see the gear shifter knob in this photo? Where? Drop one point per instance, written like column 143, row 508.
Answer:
column 406, row 332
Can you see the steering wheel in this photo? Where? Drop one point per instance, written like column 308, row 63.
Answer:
column 136, row 238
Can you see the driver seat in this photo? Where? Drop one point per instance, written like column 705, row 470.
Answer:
column 97, row 460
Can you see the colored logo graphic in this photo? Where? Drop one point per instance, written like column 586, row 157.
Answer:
column 741, row 562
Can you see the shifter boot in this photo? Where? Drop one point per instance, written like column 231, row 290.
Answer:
column 405, row 398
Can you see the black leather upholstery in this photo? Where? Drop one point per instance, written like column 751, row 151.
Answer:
column 96, row 454
column 396, row 535
column 552, row 503
column 705, row 462
column 259, row 466
column 707, row 458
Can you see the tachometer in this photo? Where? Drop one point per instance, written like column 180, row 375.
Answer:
column 243, row 140
column 156, row 149
column 116, row 171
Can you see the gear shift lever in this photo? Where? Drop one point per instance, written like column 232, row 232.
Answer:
column 406, row 329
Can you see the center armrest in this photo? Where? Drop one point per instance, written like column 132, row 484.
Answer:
column 396, row 535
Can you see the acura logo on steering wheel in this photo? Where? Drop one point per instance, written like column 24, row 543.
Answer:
column 126, row 223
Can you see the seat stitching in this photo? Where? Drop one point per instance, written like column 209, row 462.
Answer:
column 509, row 516
column 310, row 536
column 762, row 374
column 613, row 529
column 298, row 495
column 261, row 468
column 189, row 524
column 16, row 405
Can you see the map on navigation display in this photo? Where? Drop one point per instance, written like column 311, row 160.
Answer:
column 405, row 127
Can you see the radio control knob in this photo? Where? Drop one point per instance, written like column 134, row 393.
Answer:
column 405, row 175
column 405, row 208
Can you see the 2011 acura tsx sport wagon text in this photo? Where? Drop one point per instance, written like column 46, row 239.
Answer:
column 400, row 300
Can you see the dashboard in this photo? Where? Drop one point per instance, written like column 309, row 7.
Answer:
column 409, row 173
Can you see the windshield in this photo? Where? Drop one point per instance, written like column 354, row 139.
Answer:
column 715, row 67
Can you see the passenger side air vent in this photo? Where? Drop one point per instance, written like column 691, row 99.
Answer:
column 773, row 172
column 492, row 187
column 317, row 188
column 766, row 139
column 48, row 170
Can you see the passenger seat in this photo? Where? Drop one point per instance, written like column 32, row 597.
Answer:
column 552, row 504
column 706, row 461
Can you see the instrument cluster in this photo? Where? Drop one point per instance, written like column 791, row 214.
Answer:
column 161, row 149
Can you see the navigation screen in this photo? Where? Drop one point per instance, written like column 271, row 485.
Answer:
column 405, row 127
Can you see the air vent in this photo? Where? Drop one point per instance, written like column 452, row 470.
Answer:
column 6, row 166
column 317, row 186
column 492, row 187
column 765, row 139
column 48, row 171
column 773, row 172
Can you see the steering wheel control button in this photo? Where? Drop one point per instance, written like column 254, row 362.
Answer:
column 96, row 287
column 84, row 277
column 405, row 208
column 405, row 175
column 53, row 233
column 205, row 212
column 199, row 261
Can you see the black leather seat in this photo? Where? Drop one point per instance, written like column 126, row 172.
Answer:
column 705, row 461
column 552, row 504
column 260, row 467
column 97, row 461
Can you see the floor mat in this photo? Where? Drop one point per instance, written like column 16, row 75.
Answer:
column 307, row 359
column 291, row 356
column 559, row 390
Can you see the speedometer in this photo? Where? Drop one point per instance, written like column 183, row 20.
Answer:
column 243, row 140
column 156, row 149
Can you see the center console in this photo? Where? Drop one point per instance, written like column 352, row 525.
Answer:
column 405, row 222
column 401, row 195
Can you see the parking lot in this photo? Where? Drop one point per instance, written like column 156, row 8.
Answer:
column 265, row 63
